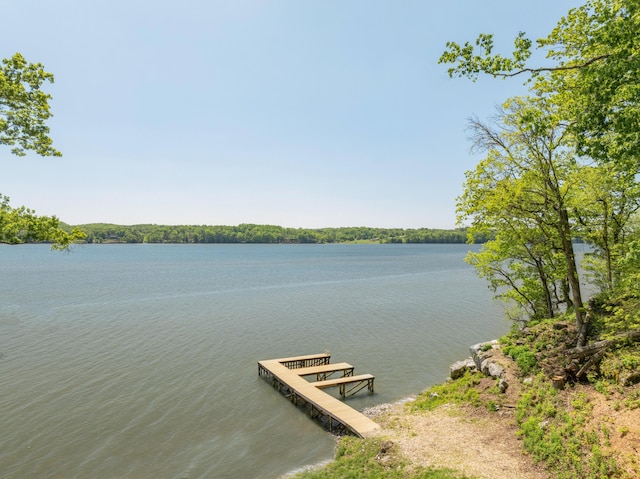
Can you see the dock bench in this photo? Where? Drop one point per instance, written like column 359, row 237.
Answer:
column 357, row 383
column 323, row 372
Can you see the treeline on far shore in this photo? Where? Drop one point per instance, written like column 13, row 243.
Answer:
column 252, row 233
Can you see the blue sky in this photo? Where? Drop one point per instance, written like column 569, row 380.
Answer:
column 296, row 113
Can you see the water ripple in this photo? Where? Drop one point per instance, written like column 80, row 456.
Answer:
column 141, row 362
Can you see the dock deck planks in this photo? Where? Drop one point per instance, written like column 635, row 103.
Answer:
column 324, row 371
column 301, row 391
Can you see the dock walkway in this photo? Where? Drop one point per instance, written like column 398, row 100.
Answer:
column 286, row 375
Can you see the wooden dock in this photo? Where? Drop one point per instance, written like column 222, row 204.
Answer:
column 326, row 370
column 287, row 376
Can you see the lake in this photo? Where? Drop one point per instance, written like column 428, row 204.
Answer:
column 140, row 361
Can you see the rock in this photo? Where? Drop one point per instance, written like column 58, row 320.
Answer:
column 492, row 369
column 385, row 447
column 459, row 368
column 503, row 385
column 527, row 381
column 630, row 378
column 480, row 360
column 482, row 351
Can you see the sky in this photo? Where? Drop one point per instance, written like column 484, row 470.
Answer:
column 303, row 114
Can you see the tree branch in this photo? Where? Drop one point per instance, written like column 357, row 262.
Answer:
column 553, row 69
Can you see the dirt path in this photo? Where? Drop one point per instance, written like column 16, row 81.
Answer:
column 465, row 439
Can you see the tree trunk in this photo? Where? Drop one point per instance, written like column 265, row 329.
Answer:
column 572, row 272
column 545, row 287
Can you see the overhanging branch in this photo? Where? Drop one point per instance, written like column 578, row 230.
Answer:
column 553, row 69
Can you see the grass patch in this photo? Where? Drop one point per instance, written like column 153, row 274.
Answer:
column 556, row 433
column 461, row 390
column 360, row 459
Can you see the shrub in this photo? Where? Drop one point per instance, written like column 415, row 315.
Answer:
column 524, row 358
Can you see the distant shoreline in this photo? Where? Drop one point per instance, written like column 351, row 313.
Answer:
column 267, row 234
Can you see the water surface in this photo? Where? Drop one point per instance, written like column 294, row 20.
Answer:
column 140, row 361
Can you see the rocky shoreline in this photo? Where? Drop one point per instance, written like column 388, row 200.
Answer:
column 470, row 440
column 481, row 359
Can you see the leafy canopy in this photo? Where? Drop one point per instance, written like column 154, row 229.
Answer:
column 24, row 107
column 595, row 73
column 24, row 110
column 21, row 225
column 565, row 171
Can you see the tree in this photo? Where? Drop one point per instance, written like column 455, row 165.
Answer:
column 24, row 107
column 24, row 110
column 596, row 74
column 21, row 225
column 593, row 82
column 522, row 194
column 604, row 207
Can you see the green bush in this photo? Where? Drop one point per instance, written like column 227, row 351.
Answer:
column 618, row 364
column 524, row 358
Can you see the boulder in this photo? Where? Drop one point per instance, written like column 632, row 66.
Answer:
column 457, row 369
column 491, row 368
column 481, row 360
column 482, row 351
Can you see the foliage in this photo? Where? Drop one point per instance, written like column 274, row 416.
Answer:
column 24, row 107
column 563, row 166
column 624, row 315
column 599, row 45
column 524, row 358
column 620, row 308
column 21, row 225
column 621, row 364
column 461, row 390
column 632, row 400
column 269, row 234
column 358, row 459
column 522, row 194
column 539, row 346
column 596, row 74
column 605, row 206
column 24, row 110
column 557, row 434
